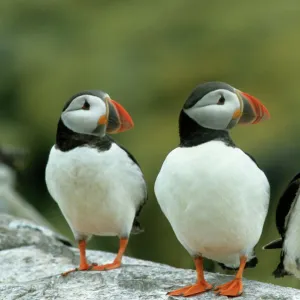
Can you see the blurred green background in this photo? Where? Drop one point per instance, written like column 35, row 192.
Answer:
column 148, row 55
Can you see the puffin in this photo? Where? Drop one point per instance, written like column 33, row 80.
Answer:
column 97, row 184
column 213, row 194
column 288, row 226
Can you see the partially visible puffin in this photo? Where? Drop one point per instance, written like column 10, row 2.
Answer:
column 12, row 203
column 288, row 226
column 214, row 195
column 12, row 159
column 97, row 184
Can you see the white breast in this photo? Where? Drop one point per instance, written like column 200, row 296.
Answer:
column 215, row 198
column 97, row 191
column 291, row 245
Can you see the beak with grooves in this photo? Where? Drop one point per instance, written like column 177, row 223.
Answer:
column 251, row 111
column 117, row 119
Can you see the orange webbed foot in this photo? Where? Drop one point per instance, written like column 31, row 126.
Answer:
column 106, row 267
column 117, row 262
column 232, row 288
column 85, row 267
column 192, row 290
column 179, row 292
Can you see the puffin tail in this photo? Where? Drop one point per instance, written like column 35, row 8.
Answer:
column 276, row 244
column 251, row 263
column 136, row 227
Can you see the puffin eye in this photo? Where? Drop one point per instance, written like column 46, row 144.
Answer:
column 86, row 105
column 221, row 100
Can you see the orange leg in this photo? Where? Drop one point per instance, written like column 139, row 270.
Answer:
column 199, row 287
column 233, row 288
column 117, row 262
column 83, row 265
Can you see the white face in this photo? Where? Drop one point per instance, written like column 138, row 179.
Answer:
column 215, row 110
column 83, row 114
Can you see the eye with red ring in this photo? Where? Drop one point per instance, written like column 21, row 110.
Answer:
column 86, row 105
column 221, row 100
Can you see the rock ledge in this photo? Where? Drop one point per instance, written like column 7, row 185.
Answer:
column 32, row 259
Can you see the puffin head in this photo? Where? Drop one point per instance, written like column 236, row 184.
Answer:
column 219, row 106
column 95, row 113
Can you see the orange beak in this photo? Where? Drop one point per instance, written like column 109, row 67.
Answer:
column 252, row 110
column 117, row 119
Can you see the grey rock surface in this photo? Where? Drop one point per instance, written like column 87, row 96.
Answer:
column 31, row 261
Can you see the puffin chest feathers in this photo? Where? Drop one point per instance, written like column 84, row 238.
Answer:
column 291, row 245
column 215, row 198
column 97, row 191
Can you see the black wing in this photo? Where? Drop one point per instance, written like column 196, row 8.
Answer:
column 136, row 227
column 276, row 244
column 286, row 204
column 130, row 156
column 252, row 158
